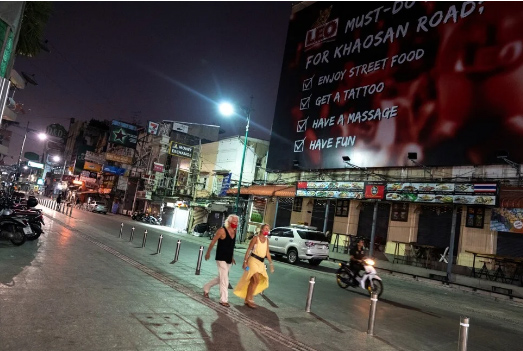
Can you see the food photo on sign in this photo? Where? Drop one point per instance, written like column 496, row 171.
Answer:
column 376, row 80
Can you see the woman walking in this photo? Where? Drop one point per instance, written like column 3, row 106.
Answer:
column 255, row 279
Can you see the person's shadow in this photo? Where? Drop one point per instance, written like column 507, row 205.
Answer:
column 224, row 334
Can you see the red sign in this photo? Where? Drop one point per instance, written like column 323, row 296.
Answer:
column 374, row 191
column 158, row 167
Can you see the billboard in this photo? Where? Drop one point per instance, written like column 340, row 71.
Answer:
column 376, row 80
column 507, row 220
column 123, row 134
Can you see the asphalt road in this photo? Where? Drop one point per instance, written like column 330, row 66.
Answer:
column 411, row 315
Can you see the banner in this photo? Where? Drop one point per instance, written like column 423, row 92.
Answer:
column 226, row 184
column 376, row 80
column 152, row 128
column 507, row 220
column 442, row 193
column 123, row 134
column 180, row 150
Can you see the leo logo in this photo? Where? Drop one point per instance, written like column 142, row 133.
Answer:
column 321, row 33
column 374, row 190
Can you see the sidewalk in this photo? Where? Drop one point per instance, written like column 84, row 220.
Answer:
column 73, row 291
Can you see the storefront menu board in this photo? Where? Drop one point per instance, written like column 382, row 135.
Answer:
column 443, row 193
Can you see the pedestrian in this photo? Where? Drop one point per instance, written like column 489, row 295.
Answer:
column 78, row 202
column 255, row 279
column 59, row 198
column 225, row 236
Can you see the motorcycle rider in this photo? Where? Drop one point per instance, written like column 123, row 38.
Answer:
column 357, row 253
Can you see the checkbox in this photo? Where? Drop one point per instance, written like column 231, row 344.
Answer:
column 302, row 125
column 304, row 103
column 298, row 145
column 307, row 84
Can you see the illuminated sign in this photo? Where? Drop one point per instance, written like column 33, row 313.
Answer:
column 35, row 164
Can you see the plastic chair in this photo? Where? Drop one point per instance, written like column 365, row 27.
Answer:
column 443, row 257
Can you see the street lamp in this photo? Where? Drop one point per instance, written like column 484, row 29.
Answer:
column 41, row 136
column 228, row 109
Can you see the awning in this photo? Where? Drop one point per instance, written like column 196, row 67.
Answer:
column 266, row 190
column 511, row 197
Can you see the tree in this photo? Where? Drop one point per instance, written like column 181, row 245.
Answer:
column 35, row 17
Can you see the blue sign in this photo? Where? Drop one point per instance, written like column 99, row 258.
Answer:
column 226, row 184
column 114, row 170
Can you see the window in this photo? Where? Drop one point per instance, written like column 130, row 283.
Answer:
column 309, row 235
column 297, row 204
column 287, row 233
column 400, row 212
column 276, row 232
column 475, row 217
column 342, row 208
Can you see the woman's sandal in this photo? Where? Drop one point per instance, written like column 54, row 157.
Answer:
column 251, row 304
column 206, row 294
column 225, row 304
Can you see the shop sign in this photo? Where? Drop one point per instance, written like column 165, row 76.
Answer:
column 92, row 167
column 374, row 191
column 158, row 167
column 87, row 179
column 442, row 193
column 180, row 150
column 152, row 128
column 94, row 157
column 119, row 158
column 56, row 130
column 35, row 164
column 122, row 183
column 114, row 170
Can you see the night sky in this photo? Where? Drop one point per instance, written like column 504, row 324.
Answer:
column 152, row 61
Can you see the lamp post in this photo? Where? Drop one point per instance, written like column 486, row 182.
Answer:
column 227, row 109
column 41, row 136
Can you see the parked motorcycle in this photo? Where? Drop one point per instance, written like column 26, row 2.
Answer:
column 369, row 281
column 13, row 229
column 138, row 216
column 33, row 216
column 154, row 220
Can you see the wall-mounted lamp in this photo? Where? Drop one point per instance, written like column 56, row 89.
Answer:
column 413, row 156
column 503, row 155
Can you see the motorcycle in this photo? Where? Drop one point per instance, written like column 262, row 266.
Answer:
column 138, row 216
column 13, row 229
column 369, row 281
column 34, row 217
column 154, row 220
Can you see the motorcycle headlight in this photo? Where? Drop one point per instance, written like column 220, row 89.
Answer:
column 369, row 262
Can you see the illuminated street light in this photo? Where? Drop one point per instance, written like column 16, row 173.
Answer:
column 56, row 158
column 227, row 109
column 42, row 136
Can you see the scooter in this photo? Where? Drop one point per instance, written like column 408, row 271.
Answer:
column 13, row 229
column 369, row 281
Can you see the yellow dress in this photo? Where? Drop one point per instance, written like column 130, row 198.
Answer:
column 255, row 266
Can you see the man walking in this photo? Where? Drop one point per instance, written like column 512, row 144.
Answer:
column 225, row 236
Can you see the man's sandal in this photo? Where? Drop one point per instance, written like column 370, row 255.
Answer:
column 206, row 294
column 225, row 304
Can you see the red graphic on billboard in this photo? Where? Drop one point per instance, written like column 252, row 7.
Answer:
column 374, row 191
